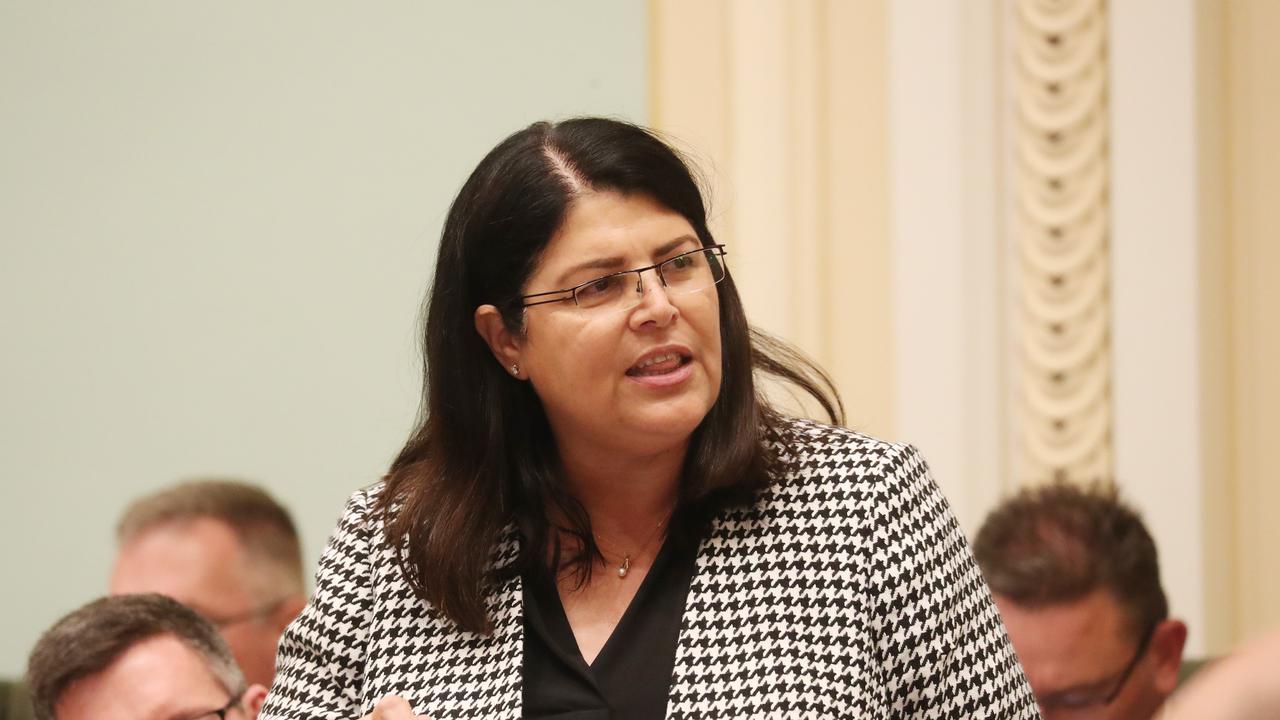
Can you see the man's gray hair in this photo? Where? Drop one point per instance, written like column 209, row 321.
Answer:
column 262, row 525
column 90, row 639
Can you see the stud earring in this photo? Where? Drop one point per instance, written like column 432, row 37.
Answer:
column 515, row 369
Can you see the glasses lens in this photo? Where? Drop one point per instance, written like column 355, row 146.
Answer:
column 682, row 274
column 606, row 291
column 692, row 272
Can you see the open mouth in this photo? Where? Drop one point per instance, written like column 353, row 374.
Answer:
column 659, row 364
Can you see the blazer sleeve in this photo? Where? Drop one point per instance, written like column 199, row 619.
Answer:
column 321, row 657
column 944, row 652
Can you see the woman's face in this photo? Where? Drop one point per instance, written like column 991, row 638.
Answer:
column 594, row 369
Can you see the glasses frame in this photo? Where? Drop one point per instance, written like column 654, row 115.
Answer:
column 254, row 613
column 1143, row 645
column 572, row 293
column 1128, row 669
column 222, row 711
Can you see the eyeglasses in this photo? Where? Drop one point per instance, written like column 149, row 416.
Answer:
column 224, row 621
column 220, row 713
column 685, row 273
column 1075, row 703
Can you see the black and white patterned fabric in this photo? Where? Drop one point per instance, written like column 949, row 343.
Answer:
column 846, row 591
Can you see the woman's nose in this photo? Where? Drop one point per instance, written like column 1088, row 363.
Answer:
column 654, row 299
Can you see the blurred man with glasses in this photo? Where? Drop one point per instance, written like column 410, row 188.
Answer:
column 224, row 548
column 138, row 657
column 1075, row 575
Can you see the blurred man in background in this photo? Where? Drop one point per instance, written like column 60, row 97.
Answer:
column 137, row 656
column 1075, row 575
column 225, row 549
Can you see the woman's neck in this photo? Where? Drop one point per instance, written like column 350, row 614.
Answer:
column 626, row 496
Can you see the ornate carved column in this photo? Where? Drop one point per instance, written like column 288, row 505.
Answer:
column 1060, row 321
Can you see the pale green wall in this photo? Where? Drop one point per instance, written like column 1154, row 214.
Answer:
column 216, row 225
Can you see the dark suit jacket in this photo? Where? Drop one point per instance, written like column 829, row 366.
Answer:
column 15, row 703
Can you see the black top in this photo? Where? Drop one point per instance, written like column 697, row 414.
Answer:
column 631, row 677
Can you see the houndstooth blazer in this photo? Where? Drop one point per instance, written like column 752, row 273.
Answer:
column 846, row 591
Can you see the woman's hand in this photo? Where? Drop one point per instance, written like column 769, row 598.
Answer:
column 393, row 707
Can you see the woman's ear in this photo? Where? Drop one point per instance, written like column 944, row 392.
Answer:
column 502, row 343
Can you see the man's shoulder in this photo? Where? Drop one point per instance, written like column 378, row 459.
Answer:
column 15, row 700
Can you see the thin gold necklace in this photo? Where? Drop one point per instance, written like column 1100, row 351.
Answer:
column 624, row 567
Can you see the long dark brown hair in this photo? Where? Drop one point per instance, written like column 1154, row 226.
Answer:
column 483, row 456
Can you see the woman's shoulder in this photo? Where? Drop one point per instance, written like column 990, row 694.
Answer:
column 363, row 501
column 361, row 518
column 807, row 444
column 836, row 465
column 364, row 524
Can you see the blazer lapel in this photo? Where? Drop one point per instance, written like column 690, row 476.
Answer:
column 501, row 684
column 712, row 613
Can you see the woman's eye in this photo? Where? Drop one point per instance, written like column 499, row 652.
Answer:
column 599, row 287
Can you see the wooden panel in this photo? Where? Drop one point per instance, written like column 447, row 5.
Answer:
column 1254, row 222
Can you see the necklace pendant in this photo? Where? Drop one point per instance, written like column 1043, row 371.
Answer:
column 625, row 566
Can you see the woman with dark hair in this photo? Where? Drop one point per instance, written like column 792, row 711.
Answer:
column 600, row 514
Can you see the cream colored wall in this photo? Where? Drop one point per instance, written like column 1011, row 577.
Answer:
column 946, row 244
column 1163, row 297
column 1217, row 475
column 217, row 221
column 1253, row 219
column 783, row 105
column 1195, row 110
column 924, row 352
column 873, row 249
